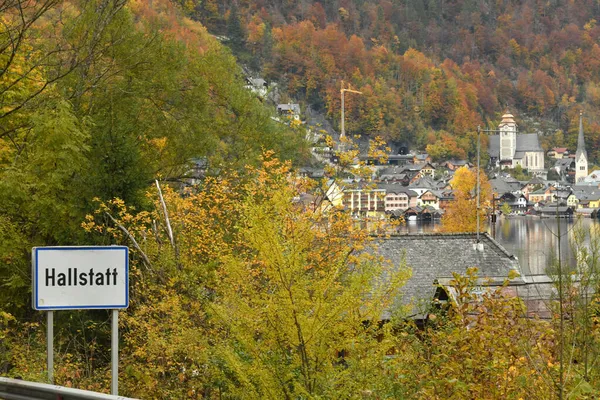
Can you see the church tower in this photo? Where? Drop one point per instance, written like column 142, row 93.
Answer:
column 581, row 161
column 508, row 137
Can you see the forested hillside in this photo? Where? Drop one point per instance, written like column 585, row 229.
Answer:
column 431, row 71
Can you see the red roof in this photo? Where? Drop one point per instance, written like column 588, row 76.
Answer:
column 560, row 149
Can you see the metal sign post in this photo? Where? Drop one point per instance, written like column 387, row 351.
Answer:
column 114, row 353
column 80, row 278
column 50, row 344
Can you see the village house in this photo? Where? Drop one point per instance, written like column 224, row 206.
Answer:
column 518, row 204
column 421, row 158
column 396, row 174
column 429, row 199
column 565, row 168
column 533, row 185
column 334, row 195
column 427, row 170
column 445, row 198
column 400, row 159
column 365, row 202
column 544, row 195
column 588, row 196
column 392, row 159
column 572, row 201
column 558, row 153
column 421, row 185
column 424, row 213
column 258, row 86
column 289, row 110
column 433, row 258
column 453, row 165
column 500, row 186
column 397, row 197
column 554, row 210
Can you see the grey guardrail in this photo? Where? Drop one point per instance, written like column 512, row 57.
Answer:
column 15, row 389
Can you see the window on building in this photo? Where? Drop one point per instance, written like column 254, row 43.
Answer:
column 581, row 168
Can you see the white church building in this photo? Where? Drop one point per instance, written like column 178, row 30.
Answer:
column 510, row 148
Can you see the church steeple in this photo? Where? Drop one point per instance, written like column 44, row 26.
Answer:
column 581, row 164
column 580, row 139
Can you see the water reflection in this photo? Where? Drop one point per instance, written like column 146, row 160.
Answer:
column 419, row 227
column 534, row 241
column 531, row 239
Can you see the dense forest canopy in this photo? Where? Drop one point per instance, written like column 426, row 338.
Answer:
column 431, row 71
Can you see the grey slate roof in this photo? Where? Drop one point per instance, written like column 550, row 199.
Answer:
column 424, row 183
column 395, row 170
column 396, row 188
column 528, row 142
column 494, row 146
column 500, row 185
column 435, row 256
column 294, row 108
column 536, row 181
column 412, row 167
column 551, row 209
column 519, row 155
column 585, row 193
column 564, row 162
column 586, row 190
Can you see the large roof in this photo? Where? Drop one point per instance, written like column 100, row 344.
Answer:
column 435, row 256
column 425, row 182
column 586, row 192
column 494, row 146
column 500, row 186
column 536, row 181
column 396, row 188
column 528, row 142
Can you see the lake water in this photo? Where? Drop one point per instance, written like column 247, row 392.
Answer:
column 531, row 239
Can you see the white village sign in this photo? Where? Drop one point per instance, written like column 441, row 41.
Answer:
column 80, row 277
column 76, row 278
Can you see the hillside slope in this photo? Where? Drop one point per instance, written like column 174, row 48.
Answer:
column 429, row 70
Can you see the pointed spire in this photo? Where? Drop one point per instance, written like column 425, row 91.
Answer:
column 581, row 163
column 580, row 139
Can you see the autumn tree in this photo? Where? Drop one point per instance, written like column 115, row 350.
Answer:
column 289, row 295
column 506, row 209
column 479, row 346
column 462, row 213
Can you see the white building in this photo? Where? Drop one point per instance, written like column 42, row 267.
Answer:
column 511, row 148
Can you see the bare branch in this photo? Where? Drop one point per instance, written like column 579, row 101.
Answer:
column 166, row 214
column 132, row 239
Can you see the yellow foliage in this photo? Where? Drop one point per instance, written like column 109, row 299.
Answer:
column 461, row 214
